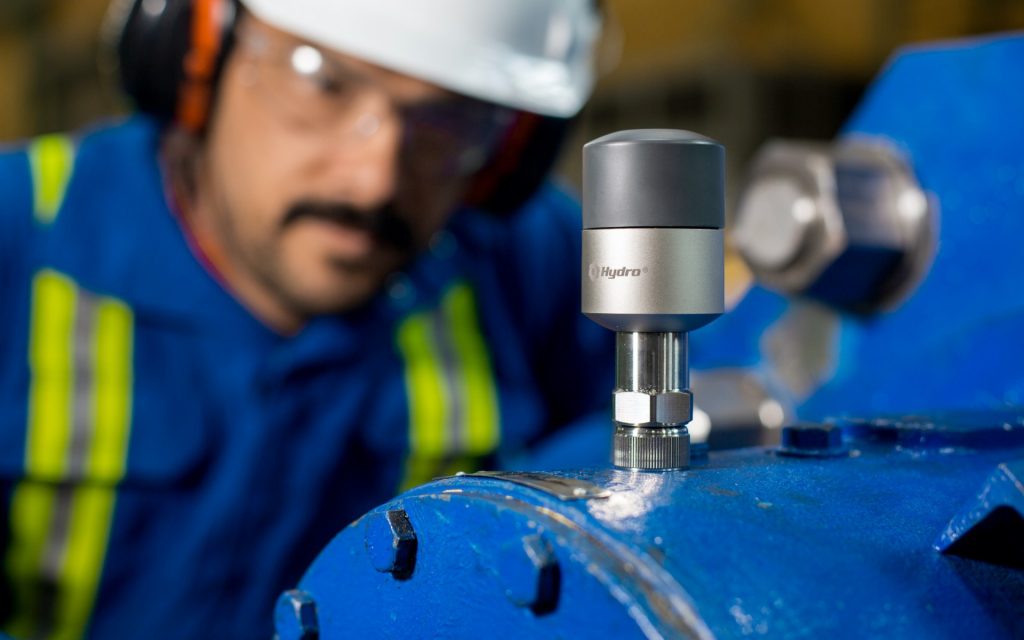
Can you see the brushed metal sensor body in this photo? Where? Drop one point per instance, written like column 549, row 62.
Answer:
column 653, row 279
column 653, row 256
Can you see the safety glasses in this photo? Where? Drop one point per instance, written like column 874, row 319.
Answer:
column 320, row 93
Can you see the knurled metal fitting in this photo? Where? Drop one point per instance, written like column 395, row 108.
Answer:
column 390, row 542
column 529, row 572
column 664, row 408
column 295, row 616
column 651, row 448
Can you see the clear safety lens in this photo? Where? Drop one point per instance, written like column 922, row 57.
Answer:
column 314, row 91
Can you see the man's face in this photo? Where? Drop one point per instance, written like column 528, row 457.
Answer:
column 323, row 174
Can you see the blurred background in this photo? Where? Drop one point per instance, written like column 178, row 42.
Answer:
column 741, row 71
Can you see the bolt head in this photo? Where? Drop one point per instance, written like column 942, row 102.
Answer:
column 777, row 217
column 295, row 616
column 814, row 214
column 390, row 542
column 529, row 573
column 812, row 440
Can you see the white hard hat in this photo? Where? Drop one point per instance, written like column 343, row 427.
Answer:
column 534, row 55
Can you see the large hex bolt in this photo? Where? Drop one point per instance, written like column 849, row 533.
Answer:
column 295, row 616
column 846, row 224
column 529, row 572
column 391, row 542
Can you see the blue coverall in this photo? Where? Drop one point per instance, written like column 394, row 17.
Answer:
column 168, row 464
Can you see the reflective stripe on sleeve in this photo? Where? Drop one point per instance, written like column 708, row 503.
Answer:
column 113, row 391
column 453, row 403
column 52, row 366
column 51, row 159
column 80, row 361
column 477, row 380
column 425, row 385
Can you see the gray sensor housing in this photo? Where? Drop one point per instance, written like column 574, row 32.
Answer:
column 653, row 178
column 653, row 248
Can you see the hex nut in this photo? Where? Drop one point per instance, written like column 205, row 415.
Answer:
column 295, row 616
column 529, row 572
column 390, row 542
column 788, row 226
column 812, row 440
column 816, row 217
column 638, row 408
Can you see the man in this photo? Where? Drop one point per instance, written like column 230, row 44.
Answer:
column 237, row 322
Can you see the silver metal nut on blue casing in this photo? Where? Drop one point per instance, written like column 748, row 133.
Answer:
column 653, row 270
column 847, row 224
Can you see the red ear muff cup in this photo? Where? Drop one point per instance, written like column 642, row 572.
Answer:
column 201, row 64
column 521, row 164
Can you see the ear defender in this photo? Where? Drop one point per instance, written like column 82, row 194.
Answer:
column 202, row 63
column 170, row 54
column 520, row 165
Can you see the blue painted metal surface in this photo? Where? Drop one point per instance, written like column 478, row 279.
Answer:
column 746, row 543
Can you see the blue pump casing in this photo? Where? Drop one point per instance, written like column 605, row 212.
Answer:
column 746, row 543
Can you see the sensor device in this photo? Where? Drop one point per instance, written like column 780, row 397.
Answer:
column 653, row 270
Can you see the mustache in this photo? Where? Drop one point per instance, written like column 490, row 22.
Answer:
column 385, row 223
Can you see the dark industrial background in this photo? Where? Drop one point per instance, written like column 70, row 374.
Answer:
column 741, row 71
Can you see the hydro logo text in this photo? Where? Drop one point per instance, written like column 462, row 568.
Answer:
column 596, row 271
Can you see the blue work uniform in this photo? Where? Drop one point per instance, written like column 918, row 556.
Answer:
column 169, row 464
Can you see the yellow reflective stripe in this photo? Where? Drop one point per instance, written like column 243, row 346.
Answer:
column 113, row 386
column 91, row 515
column 93, row 504
column 51, row 367
column 78, row 432
column 51, row 364
column 427, row 341
column 483, row 430
column 52, row 160
column 32, row 507
column 428, row 405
